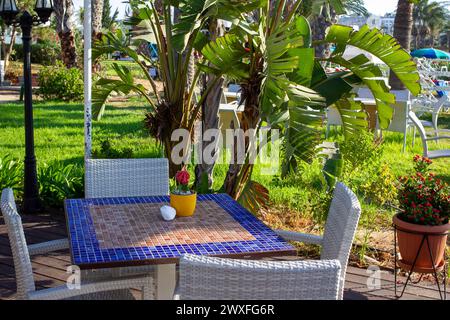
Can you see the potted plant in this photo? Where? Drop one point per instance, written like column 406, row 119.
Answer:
column 424, row 211
column 182, row 199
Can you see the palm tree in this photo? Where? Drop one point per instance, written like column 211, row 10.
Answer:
column 403, row 25
column 64, row 27
column 429, row 18
column 176, row 107
column 323, row 16
column 285, row 88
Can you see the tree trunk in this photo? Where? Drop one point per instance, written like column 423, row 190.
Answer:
column 210, row 113
column 64, row 27
column 97, row 14
column 240, row 171
column 9, row 48
column 319, row 25
column 403, row 25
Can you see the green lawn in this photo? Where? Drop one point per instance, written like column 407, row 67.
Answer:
column 59, row 134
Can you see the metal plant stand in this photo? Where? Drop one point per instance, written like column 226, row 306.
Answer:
column 436, row 271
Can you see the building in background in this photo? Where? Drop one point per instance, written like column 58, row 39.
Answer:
column 354, row 21
column 387, row 23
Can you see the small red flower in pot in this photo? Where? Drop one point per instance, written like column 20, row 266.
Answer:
column 182, row 198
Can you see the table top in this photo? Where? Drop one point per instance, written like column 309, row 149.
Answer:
column 113, row 232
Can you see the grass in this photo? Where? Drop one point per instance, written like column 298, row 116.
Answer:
column 59, row 134
column 108, row 71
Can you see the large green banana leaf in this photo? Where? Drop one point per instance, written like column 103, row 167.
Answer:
column 381, row 45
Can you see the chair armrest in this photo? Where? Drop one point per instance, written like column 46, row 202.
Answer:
column 63, row 292
column 300, row 237
column 438, row 138
column 49, row 246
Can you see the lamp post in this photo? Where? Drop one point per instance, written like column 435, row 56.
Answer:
column 11, row 16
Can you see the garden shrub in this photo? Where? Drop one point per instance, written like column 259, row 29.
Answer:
column 43, row 52
column 58, row 182
column 58, row 82
column 108, row 151
column 11, row 174
column 364, row 172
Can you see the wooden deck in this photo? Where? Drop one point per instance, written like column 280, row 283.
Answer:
column 50, row 270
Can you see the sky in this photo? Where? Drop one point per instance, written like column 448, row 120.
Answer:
column 378, row 7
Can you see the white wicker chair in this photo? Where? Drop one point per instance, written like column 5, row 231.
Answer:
column 340, row 229
column 209, row 278
column 116, row 289
column 126, row 177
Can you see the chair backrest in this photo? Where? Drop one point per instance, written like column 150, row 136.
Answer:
column 422, row 132
column 340, row 228
column 21, row 257
column 209, row 278
column 126, row 177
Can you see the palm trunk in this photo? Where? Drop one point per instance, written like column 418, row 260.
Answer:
column 69, row 55
column 319, row 25
column 239, row 173
column 64, row 27
column 403, row 25
column 97, row 13
column 210, row 114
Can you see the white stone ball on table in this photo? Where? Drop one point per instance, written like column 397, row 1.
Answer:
column 168, row 213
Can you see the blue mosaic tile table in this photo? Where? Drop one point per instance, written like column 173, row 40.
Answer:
column 95, row 238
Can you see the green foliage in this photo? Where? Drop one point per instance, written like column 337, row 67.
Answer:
column 364, row 172
column 58, row 82
column 43, row 52
column 107, row 151
column 203, row 186
column 382, row 46
column 58, row 182
column 11, row 174
column 303, row 190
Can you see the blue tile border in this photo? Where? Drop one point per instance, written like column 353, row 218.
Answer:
column 85, row 249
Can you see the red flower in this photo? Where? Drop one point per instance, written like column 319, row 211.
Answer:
column 182, row 177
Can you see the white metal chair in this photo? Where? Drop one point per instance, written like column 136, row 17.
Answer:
column 435, row 108
column 432, row 154
column 209, row 278
column 340, row 229
column 126, row 177
column 115, row 289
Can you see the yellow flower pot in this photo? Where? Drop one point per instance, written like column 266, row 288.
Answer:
column 184, row 204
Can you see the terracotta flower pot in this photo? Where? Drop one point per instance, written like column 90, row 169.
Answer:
column 184, row 204
column 409, row 237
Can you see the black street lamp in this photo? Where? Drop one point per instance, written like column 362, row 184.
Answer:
column 26, row 21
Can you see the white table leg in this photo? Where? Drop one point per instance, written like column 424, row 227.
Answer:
column 165, row 281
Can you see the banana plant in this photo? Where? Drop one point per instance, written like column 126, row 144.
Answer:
column 177, row 34
column 285, row 87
